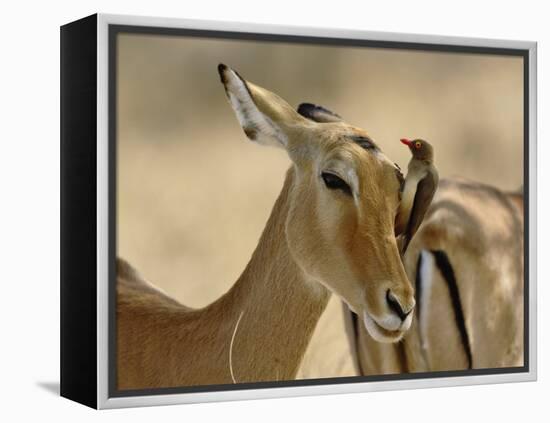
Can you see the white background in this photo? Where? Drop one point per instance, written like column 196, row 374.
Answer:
column 29, row 181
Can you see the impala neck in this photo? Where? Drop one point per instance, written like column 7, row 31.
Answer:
column 279, row 305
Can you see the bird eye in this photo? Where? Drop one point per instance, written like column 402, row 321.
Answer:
column 334, row 182
column 417, row 144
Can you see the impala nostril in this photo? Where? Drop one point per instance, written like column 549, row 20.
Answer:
column 395, row 306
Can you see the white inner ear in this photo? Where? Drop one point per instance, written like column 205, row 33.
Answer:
column 257, row 126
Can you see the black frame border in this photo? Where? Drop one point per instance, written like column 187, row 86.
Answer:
column 115, row 29
column 78, row 211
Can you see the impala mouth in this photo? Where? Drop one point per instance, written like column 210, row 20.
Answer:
column 380, row 333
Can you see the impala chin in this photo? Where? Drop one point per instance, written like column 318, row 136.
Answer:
column 386, row 329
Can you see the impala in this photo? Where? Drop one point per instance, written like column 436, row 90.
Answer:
column 467, row 261
column 330, row 231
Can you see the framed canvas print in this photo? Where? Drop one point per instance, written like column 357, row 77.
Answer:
column 252, row 211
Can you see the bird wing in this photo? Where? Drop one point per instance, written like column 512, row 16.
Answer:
column 425, row 191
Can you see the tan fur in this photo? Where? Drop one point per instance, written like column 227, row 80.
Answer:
column 317, row 242
column 481, row 230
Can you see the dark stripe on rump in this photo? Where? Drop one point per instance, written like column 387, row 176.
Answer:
column 418, row 286
column 355, row 324
column 444, row 266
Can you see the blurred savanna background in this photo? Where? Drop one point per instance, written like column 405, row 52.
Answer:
column 193, row 193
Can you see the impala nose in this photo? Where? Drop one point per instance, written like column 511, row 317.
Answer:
column 396, row 306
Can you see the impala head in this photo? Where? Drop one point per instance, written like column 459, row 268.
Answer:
column 342, row 204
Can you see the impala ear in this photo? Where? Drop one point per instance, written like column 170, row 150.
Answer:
column 265, row 117
column 318, row 113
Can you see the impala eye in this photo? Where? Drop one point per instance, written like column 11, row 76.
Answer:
column 334, row 182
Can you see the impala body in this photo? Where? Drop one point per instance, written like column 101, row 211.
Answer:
column 467, row 264
column 330, row 231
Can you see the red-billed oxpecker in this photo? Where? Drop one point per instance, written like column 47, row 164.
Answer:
column 419, row 188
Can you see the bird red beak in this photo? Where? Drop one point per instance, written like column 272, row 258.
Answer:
column 406, row 141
